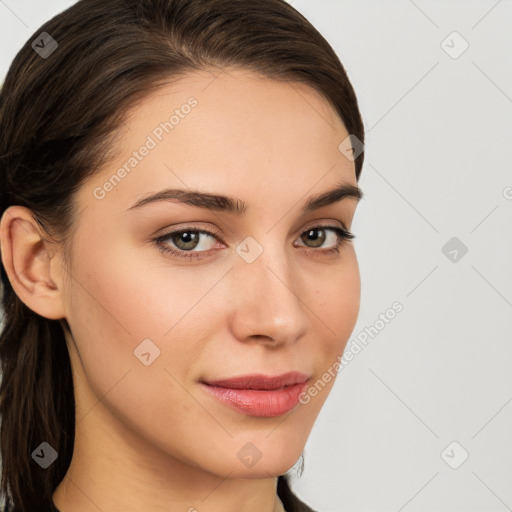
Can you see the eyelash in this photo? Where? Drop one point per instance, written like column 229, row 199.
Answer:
column 343, row 237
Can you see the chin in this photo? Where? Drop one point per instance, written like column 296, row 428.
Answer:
column 269, row 460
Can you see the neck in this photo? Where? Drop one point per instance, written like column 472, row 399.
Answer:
column 112, row 469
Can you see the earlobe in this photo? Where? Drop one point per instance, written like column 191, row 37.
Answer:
column 27, row 259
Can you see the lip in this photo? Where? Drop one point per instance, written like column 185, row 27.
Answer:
column 259, row 395
column 259, row 381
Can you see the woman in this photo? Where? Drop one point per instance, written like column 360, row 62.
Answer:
column 179, row 282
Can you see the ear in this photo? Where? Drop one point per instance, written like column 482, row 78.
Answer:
column 32, row 263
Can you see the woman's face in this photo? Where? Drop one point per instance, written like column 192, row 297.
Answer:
column 256, row 296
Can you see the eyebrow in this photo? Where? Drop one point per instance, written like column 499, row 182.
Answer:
column 238, row 207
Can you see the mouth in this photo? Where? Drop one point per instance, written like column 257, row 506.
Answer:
column 259, row 395
column 260, row 381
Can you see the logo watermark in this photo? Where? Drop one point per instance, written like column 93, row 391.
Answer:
column 351, row 351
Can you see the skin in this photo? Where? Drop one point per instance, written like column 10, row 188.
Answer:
column 148, row 437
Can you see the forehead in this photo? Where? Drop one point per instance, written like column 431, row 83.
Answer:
column 226, row 129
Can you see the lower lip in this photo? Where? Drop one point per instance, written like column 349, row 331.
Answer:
column 259, row 402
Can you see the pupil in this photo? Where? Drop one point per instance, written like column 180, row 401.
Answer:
column 185, row 238
column 314, row 237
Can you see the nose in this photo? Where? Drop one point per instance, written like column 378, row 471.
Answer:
column 268, row 299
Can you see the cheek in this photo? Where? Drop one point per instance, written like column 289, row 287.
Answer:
column 121, row 293
column 114, row 304
column 337, row 302
column 118, row 300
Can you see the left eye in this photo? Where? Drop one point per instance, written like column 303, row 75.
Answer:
column 311, row 235
column 186, row 240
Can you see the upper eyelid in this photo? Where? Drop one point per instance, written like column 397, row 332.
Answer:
column 341, row 233
column 214, row 232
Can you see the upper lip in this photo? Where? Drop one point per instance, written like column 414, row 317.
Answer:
column 260, row 381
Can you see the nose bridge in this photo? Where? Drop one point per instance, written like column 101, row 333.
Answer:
column 269, row 303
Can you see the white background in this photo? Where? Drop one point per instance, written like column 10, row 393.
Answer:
column 437, row 165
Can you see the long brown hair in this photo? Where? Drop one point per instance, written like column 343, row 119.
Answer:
column 58, row 120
